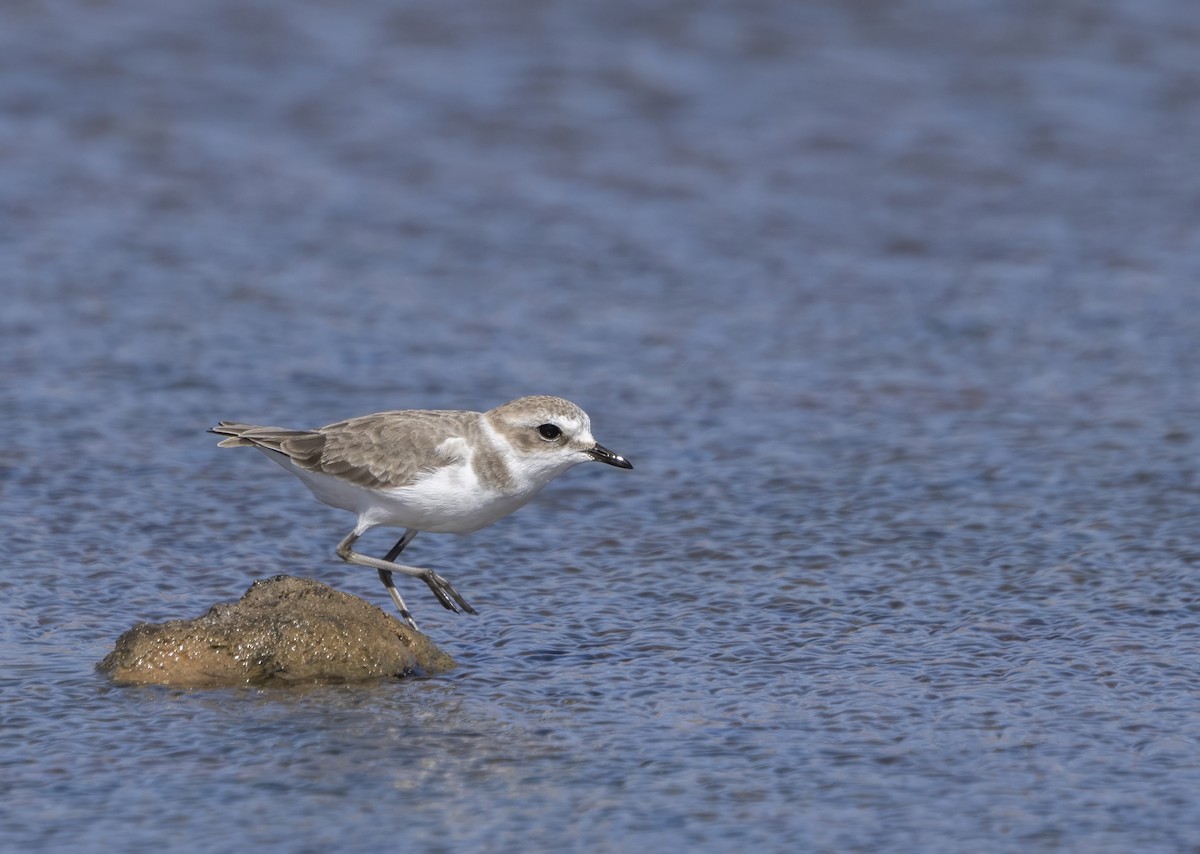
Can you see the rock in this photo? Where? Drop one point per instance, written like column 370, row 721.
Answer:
column 284, row 630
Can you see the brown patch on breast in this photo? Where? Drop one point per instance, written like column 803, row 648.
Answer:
column 489, row 467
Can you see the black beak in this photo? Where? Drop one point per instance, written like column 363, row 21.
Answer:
column 602, row 454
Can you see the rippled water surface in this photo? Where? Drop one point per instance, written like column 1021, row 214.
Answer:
column 894, row 307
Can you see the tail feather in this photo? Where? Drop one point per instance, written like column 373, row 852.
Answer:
column 249, row 435
column 234, row 430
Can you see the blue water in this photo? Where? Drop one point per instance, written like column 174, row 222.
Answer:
column 894, row 308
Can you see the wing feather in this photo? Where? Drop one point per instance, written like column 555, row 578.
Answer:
column 387, row 449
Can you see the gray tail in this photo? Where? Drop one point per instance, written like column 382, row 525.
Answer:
column 268, row 438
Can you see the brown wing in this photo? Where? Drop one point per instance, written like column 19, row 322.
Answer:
column 386, row 449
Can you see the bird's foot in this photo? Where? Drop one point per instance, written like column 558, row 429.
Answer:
column 450, row 598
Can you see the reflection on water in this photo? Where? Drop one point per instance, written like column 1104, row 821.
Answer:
column 894, row 309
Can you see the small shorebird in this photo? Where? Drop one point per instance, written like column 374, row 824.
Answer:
column 440, row 471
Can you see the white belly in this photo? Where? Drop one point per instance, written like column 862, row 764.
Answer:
column 449, row 500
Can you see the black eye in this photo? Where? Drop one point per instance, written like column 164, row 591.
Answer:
column 549, row 432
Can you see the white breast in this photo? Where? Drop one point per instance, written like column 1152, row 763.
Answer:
column 449, row 500
column 446, row 500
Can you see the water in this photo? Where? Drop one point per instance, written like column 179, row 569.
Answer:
column 894, row 309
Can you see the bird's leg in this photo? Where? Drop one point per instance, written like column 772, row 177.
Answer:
column 385, row 576
column 449, row 597
column 394, row 553
column 400, row 544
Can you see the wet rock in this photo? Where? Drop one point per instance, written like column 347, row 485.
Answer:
column 284, row 630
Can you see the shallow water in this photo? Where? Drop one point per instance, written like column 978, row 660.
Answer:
column 895, row 311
